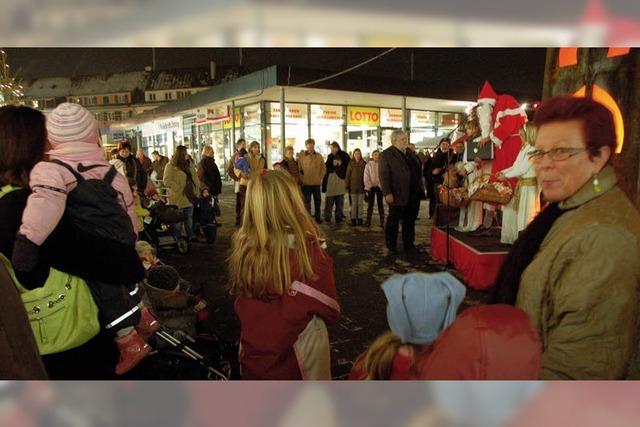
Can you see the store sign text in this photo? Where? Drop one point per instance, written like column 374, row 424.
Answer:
column 166, row 126
column 363, row 116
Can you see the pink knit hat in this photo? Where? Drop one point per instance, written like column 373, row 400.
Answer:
column 71, row 123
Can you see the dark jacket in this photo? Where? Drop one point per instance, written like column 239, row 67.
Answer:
column 131, row 169
column 395, row 175
column 440, row 162
column 141, row 177
column 205, row 211
column 340, row 171
column 355, row 176
column 415, row 167
column 146, row 165
column 68, row 249
column 427, row 173
column 209, row 175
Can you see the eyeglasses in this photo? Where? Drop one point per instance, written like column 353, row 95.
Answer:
column 556, row 154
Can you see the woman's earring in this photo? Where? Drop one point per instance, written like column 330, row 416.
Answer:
column 596, row 184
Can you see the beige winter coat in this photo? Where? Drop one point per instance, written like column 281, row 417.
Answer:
column 581, row 291
column 312, row 168
column 175, row 180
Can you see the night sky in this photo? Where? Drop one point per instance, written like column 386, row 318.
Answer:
column 459, row 71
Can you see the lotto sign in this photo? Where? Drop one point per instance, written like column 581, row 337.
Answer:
column 363, row 116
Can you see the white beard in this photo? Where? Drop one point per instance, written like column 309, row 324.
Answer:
column 484, row 119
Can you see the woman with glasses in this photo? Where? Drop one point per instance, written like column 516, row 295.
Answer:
column 576, row 268
column 525, row 204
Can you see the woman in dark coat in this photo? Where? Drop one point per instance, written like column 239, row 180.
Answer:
column 22, row 144
column 208, row 172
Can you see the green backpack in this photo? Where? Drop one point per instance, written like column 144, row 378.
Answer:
column 62, row 313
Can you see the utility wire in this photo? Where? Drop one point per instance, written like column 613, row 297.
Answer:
column 348, row 69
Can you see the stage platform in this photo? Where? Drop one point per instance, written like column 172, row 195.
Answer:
column 477, row 258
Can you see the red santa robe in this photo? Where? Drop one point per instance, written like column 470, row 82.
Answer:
column 508, row 118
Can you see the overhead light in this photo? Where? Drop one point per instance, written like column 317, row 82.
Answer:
column 524, row 106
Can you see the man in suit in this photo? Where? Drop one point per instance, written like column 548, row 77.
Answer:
column 400, row 178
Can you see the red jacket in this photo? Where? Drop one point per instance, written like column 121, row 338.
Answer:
column 270, row 326
column 488, row 342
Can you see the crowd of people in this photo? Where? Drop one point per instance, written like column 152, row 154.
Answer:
column 565, row 304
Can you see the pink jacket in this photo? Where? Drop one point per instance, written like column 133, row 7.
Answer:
column 371, row 175
column 50, row 183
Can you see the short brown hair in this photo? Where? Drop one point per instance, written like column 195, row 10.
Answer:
column 597, row 122
column 23, row 137
column 124, row 145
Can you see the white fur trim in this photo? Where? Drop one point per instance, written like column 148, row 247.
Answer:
column 497, row 141
column 487, row 101
column 511, row 112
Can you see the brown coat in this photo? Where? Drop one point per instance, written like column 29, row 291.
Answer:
column 312, row 168
column 582, row 289
column 173, row 309
column 355, row 176
column 20, row 355
column 176, row 180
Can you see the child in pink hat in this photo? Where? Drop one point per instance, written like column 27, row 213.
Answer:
column 75, row 155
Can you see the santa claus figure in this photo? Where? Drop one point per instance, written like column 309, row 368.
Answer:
column 500, row 118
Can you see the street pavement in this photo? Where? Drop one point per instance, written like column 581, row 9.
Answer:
column 360, row 266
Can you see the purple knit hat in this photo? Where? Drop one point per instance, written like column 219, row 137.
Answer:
column 71, row 123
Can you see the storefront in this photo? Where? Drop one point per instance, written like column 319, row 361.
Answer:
column 423, row 129
column 363, row 120
column 390, row 120
column 296, row 119
column 213, row 128
column 364, row 127
column 161, row 135
column 327, row 124
column 252, row 123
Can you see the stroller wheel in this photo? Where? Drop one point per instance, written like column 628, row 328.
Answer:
column 183, row 245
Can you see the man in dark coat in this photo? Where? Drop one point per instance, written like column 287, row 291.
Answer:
column 400, row 178
column 208, row 172
column 144, row 161
column 427, row 172
column 158, row 164
column 333, row 183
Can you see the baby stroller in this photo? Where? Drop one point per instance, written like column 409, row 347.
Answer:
column 158, row 227
column 179, row 356
column 206, row 209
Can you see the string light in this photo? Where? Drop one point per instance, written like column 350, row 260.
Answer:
column 11, row 91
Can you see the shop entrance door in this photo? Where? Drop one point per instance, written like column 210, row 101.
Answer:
column 362, row 137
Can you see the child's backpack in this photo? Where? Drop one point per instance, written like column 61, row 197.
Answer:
column 93, row 207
